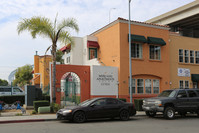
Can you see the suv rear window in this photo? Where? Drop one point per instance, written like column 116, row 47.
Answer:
column 192, row 93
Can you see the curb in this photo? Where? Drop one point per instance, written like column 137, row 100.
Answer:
column 23, row 121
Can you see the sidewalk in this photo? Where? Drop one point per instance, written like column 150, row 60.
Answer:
column 11, row 118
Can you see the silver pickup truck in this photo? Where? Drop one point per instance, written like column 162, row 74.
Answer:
column 171, row 101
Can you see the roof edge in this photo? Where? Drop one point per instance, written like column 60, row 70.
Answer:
column 122, row 20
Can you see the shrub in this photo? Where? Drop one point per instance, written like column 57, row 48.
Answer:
column 18, row 114
column 38, row 104
column 46, row 97
column 34, row 112
column 54, row 107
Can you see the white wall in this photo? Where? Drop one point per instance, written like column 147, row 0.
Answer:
column 79, row 54
column 86, row 60
column 104, row 80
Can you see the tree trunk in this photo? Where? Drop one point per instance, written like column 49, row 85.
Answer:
column 54, row 72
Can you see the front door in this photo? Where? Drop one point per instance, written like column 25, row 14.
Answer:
column 96, row 109
column 182, row 101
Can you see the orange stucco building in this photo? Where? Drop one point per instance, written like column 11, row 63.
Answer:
column 41, row 72
column 184, row 53
column 150, row 56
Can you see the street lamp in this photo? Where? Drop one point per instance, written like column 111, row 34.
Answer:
column 110, row 13
column 130, row 63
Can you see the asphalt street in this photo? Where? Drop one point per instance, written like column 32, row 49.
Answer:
column 138, row 124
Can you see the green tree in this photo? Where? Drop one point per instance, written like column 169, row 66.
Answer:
column 3, row 82
column 23, row 75
column 59, row 56
column 54, row 31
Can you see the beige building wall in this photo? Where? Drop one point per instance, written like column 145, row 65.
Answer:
column 185, row 43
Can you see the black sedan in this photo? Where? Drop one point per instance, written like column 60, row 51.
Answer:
column 97, row 108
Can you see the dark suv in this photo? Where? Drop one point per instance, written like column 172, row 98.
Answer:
column 171, row 101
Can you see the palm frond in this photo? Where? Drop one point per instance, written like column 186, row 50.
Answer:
column 36, row 26
column 68, row 23
column 65, row 38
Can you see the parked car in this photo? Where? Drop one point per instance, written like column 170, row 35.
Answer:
column 8, row 91
column 97, row 108
column 171, row 101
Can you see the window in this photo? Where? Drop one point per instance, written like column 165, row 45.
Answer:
column 154, row 52
column 111, row 101
column 92, row 53
column 195, row 85
column 197, row 92
column 180, row 55
column 136, row 50
column 133, row 85
column 192, row 93
column 140, row 86
column 181, row 84
column 186, row 84
column 156, row 86
column 182, row 93
column 197, row 57
column 145, row 86
column 100, row 102
column 16, row 90
column 191, row 56
column 68, row 59
column 148, row 86
column 186, row 56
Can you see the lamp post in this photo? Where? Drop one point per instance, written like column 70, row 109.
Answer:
column 110, row 13
column 130, row 63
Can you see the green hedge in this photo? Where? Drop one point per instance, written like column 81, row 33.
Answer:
column 13, row 99
column 54, row 107
column 138, row 104
column 38, row 104
column 46, row 97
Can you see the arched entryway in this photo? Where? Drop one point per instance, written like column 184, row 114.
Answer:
column 83, row 73
column 70, row 89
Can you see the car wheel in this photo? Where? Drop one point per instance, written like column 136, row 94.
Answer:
column 79, row 117
column 169, row 113
column 150, row 113
column 124, row 115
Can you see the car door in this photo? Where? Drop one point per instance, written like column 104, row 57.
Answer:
column 96, row 109
column 112, row 107
column 182, row 101
column 192, row 100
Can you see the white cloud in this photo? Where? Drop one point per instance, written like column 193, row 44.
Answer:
column 16, row 51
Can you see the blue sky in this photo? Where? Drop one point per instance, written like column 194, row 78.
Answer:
column 18, row 50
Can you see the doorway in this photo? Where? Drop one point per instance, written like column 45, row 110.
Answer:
column 70, row 89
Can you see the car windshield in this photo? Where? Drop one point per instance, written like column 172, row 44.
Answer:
column 86, row 103
column 167, row 93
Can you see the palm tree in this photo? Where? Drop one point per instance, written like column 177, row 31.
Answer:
column 54, row 31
